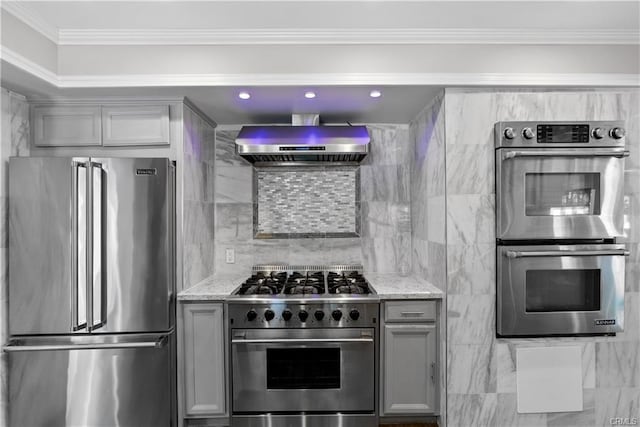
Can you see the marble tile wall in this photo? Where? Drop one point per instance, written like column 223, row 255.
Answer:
column 198, row 198
column 14, row 134
column 428, row 193
column 481, row 368
column 384, row 244
column 428, row 211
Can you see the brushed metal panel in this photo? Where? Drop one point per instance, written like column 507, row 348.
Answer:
column 512, row 221
column 40, row 245
column 250, row 393
column 137, row 211
column 514, row 320
column 121, row 387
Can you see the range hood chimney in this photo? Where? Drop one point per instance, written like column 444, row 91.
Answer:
column 304, row 141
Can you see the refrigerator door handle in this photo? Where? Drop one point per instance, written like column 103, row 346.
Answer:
column 78, row 184
column 96, row 278
column 159, row 342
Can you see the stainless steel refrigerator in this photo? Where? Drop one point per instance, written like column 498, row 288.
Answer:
column 91, row 292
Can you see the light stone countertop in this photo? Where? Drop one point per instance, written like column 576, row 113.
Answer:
column 388, row 286
column 392, row 286
column 213, row 288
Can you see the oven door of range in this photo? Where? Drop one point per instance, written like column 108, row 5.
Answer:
column 296, row 370
column 560, row 290
column 559, row 193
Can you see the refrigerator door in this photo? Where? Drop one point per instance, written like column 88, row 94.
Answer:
column 92, row 381
column 47, row 246
column 131, row 245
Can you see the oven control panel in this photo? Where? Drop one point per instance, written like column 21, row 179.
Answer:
column 303, row 315
column 560, row 134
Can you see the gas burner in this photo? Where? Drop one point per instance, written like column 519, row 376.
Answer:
column 347, row 282
column 322, row 283
column 263, row 283
column 303, row 289
column 348, row 289
column 305, row 283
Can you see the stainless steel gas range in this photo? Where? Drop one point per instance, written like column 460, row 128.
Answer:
column 303, row 348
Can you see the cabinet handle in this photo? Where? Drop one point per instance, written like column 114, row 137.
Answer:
column 433, row 373
column 412, row 313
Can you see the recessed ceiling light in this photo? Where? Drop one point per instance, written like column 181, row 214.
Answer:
column 309, row 95
column 244, row 95
column 375, row 94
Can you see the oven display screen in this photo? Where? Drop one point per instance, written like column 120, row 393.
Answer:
column 303, row 368
column 562, row 134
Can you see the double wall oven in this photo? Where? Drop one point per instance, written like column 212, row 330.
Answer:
column 559, row 200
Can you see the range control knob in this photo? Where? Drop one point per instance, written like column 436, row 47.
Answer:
column 251, row 315
column 319, row 315
column 337, row 315
column 597, row 133
column 286, row 315
column 617, row 133
column 269, row 315
column 354, row 314
column 303, row 315
column 509, row 133
column 527, row 133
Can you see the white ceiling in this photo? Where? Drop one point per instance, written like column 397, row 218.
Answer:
column 265, row 14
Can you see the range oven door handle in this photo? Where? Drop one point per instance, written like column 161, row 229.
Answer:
column 564, row 153
column 528, row 254
column 300, row 340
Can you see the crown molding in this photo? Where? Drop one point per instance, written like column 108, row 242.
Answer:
column 321, row 79
column 29, row 66
column 300, row 36
column 23, row 11
column 347, row 79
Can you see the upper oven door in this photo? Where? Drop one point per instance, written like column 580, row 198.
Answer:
column 559, row 193
column 560, row 289
column 295, row 370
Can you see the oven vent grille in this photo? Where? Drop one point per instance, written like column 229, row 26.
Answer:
column 308, row 267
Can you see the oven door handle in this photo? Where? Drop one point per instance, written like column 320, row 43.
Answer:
column 300, row 340
column 610, row 252
column 565, row 153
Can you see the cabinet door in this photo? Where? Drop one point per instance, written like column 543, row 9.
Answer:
column 71, row 126
column 409, row 369
column 204, row 367
column 135, row 125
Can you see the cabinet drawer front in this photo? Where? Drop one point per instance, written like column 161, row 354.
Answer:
column 135, row 125
column 66, row 126
column 410, row 311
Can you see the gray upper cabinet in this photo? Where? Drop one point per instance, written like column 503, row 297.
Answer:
column 66, row 126
column 409, row 359
column 204, row 360
column 108, row 125
column 135, row 125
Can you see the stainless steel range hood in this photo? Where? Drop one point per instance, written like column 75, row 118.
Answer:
column 303, row 143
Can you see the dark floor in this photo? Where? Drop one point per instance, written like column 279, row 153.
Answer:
column 411, row 425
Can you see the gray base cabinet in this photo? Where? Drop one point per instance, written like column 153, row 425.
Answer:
column 409, row 380
column 204, row 360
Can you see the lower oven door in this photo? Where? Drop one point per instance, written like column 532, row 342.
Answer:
column 560, row 290
column 296, row 370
